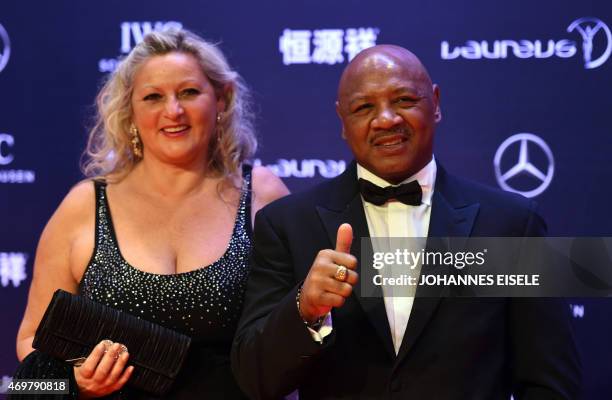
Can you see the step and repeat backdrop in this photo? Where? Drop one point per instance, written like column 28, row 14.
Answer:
column 524, row 93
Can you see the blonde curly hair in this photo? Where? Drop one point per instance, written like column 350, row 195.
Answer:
column 109, row 151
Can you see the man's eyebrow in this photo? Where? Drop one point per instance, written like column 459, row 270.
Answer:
column 357, row 98
column 411, row 89
column 402, row 89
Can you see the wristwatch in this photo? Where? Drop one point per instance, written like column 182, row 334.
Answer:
column 316, row 325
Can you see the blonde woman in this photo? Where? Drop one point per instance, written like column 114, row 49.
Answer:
column 162, row 228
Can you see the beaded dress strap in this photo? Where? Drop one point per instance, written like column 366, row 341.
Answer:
column 247, row 176
column 101, row 226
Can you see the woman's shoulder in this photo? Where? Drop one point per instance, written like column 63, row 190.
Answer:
column 76, row 209
column 267, row 187
column 66, row 242
column 80, row 198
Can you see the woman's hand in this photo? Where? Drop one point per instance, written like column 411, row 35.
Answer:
column 103, row 371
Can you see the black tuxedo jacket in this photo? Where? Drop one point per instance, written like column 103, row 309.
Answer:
column 453, row 348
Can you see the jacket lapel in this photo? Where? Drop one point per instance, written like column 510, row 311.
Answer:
column 451, row 217
column 345, row 206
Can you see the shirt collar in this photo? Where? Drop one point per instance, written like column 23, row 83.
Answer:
column 426, row 178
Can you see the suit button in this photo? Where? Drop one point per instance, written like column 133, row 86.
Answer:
column 396, row 385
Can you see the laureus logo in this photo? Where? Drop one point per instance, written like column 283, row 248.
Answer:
column 589, row 28
column 594, row 32
column 309, row 168
column 5, row 48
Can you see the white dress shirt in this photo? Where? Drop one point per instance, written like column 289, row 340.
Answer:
column 393, row 219
column 397, row 220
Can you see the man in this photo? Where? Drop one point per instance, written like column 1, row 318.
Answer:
column 305, row 323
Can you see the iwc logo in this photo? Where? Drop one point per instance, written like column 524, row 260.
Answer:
column 132, row 33
column 5, row 48
column 524, row 164
column 7, row 142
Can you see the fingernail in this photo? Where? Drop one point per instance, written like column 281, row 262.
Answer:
column 107, row 344
column 123, row 349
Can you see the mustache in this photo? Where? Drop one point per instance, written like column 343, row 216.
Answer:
column 398, row 130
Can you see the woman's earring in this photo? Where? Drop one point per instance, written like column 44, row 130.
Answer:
column 219, row 128
column 136, row 143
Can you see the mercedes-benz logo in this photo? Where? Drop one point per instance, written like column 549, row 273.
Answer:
column 523, row 164
column 588, row 28
column 5, row 48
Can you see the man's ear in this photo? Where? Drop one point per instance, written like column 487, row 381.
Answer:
column 339, row 113
column 436, row 99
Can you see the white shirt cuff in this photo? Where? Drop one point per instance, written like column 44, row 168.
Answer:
column 325, row 329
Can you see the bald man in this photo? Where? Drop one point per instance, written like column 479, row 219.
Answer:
column 306, row 324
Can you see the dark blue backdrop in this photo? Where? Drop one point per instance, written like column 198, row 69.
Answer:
column 504, row 68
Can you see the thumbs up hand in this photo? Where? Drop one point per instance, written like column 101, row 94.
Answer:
column 331, row 278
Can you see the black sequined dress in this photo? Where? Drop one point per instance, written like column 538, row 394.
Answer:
column 204, row 304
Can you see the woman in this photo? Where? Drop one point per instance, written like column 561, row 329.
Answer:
column 163, row 231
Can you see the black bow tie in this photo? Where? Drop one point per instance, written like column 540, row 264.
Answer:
column 408, row 193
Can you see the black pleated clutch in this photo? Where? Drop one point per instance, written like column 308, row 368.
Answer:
column 73, row 325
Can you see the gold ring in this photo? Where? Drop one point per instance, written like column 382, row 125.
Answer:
column 341, row 273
